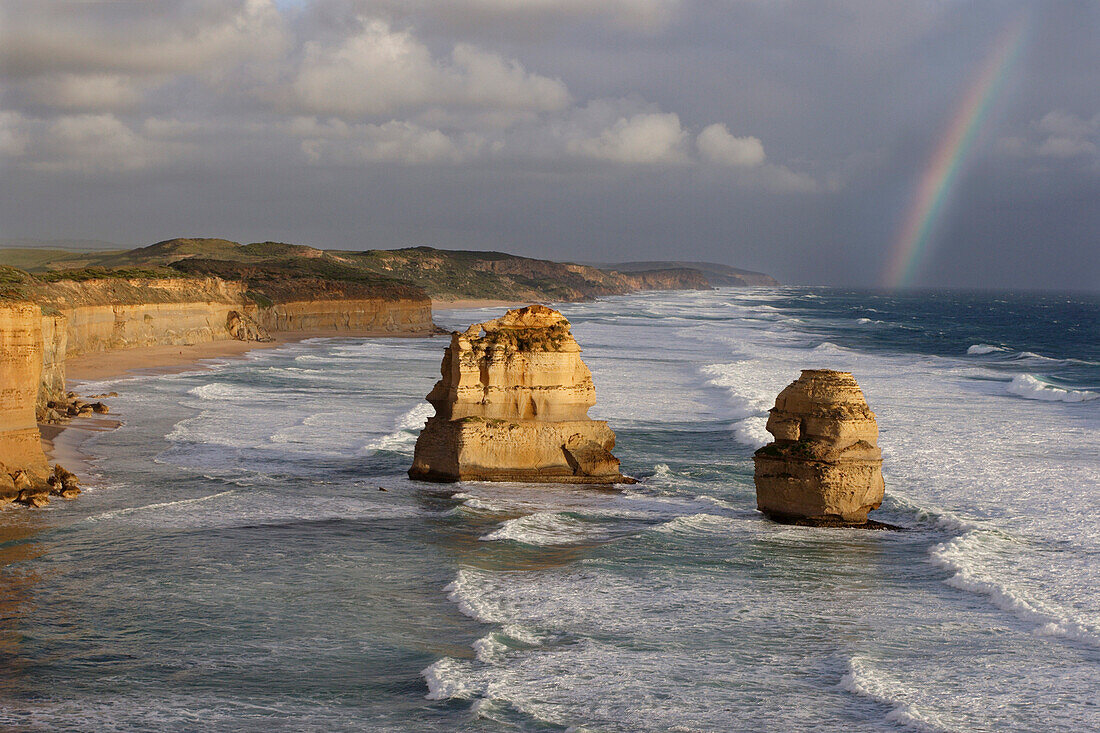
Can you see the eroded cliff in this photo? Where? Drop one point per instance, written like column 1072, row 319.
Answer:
column 22, row 462
column 512, row 405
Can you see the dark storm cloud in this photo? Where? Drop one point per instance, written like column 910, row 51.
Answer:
column 777, row 135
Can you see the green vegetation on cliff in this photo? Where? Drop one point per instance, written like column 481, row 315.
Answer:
column 279, row 272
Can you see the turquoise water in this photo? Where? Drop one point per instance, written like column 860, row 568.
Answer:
column 234, row 566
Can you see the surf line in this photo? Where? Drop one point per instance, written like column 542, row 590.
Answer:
column 940, row 173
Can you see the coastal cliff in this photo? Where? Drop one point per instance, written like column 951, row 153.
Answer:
column 22, row 462
column 45, row 321
column 111, row 314
column 194, row 291
column 512, row 405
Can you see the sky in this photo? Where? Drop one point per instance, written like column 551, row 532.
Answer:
column 864, row 143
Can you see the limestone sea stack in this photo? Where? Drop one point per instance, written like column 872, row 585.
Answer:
column 513, row 406
column 824, row 467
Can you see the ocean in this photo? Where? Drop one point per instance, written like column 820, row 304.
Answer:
column 234, row 565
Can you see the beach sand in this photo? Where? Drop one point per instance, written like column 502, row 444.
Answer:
column 472, row 303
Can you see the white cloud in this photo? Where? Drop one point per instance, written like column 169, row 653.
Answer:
column 644, row 15
column 717, row 145
column 1067, row 135
column 84, row 92
column 1058, row 134
column 648, row 138
column 147, row 38
column 84, row 143
column 337, row 142
column 380, row 70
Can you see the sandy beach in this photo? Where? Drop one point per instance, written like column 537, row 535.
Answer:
column 472, row 303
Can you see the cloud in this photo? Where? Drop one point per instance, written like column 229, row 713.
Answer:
column 643, row 15
column 87, row 143
column 146, row 38
column 1067, row 135
column 717, row 145
column 379, row 70
column 336, row 142
column 647, row 138
column 84, row 92
column 98, row 87
column 1056, row 136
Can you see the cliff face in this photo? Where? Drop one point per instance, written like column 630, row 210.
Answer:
column 714, row 274
column 55, row 341
column 824, row 466
column 512, row 405
column 114, row 313
column 20, row 374
column 674, row 278
column 401, row 315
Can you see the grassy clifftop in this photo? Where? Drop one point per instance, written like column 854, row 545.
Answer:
column 281, row 272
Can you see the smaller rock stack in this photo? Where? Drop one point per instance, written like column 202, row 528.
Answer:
column 513, row 406
column 824, row 467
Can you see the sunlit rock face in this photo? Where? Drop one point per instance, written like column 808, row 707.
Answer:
column 513, row 406
column 23, row 466
column 824, row 466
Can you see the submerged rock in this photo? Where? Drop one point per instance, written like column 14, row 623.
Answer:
column 513, row 406
column 824, row 467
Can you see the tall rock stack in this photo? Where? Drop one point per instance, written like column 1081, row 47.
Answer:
column 824, row 467
column 513, row 406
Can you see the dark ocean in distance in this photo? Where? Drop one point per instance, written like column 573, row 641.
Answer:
column 234, row 567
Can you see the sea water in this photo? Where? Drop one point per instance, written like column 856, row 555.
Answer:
column 236, row 565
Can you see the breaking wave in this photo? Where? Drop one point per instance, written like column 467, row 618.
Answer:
column 1031, row 387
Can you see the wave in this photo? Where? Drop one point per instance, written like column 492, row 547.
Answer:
column 752, row 432
column 982, row 349
column 547, row 529
column 494, row 646
column 449, row 679
column 828, row 347
column 222, row 391
column 161, row 505
column 866, row 681
column 702, row 523
column 408, row 428
column 467, row 592
column 1031, row 387
column 962, row 556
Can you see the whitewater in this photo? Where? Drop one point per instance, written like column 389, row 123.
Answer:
column 235, row 565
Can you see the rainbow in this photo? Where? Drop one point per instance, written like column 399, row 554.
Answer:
column 936, row 183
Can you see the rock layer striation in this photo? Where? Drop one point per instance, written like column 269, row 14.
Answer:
column 824, row 466
column 512, row 405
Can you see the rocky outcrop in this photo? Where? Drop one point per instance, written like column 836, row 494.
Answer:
column 243, row 327
column 824, row 466
column 22, row 463
column 513, row 406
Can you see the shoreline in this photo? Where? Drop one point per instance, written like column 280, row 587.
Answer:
column 476, row 303
column 62, row 443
